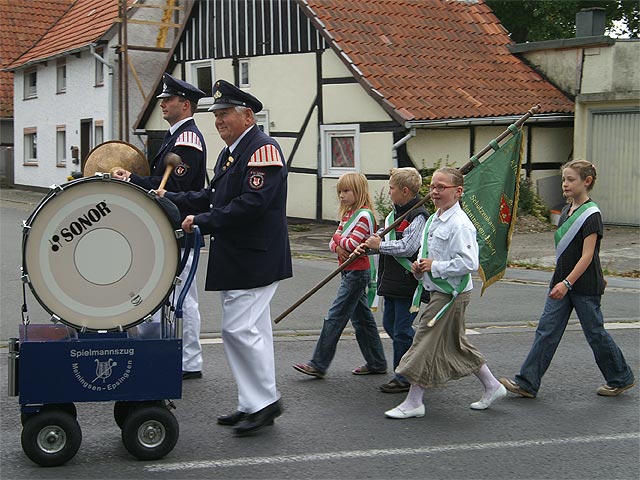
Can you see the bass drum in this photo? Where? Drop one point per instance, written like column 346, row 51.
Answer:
column 100, row 254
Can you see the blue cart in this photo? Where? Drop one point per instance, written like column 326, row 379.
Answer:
column 85, row 354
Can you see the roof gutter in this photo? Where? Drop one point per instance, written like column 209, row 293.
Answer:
column 399, row 143
column 506, row 120
column 92, row 48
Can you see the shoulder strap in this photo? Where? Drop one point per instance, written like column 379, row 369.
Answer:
column 569, row 229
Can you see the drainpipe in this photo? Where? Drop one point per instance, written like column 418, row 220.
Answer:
column 92, row 48
column 399, row 143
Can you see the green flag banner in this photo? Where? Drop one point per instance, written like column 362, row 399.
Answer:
column 490, row 200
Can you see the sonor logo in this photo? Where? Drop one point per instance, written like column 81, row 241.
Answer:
column 79, row 225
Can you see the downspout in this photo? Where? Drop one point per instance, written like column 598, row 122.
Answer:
column 399, row 143
column 92, row 48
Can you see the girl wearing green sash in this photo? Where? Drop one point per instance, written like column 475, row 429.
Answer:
column 352, row 301
column 577, row 283
column 440, row 351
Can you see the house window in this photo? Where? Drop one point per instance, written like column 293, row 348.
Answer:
column 30, row 146
column 98, row 132
column 99, row 68
column 201, row 75
column 61, row 75
column 262, row 120
column 340, row 149
column 61, row 146
column 244, row 73
column 31, row 83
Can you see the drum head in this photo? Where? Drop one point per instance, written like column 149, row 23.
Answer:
column 101, row 254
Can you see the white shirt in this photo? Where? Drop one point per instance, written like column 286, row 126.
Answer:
column 452, row 247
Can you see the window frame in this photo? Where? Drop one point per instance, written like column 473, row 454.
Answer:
column 61, row 75
column 98, row 74
column 192, row 78
column 30, row 139
column 30, row 91
column 61, row 161
column 327, row 132
column 262, row 120
column 242, row 62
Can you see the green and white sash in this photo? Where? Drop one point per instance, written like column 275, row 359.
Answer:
column 405, row 262
column 443, row 284
column 372, row 289
column 568, row 230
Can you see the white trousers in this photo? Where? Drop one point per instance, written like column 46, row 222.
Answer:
column 248, row 345
column 191, row 348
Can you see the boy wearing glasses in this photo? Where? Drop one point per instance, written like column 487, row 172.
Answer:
column 396, row 283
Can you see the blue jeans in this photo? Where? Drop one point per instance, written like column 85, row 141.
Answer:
column 397, row 321
column 553, row 322
column 351, row 303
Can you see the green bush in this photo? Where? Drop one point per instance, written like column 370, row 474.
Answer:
column 530, row 202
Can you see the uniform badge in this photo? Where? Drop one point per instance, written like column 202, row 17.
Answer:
column 181, row 170
column 256, row 180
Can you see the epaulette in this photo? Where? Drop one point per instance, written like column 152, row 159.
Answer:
column 266, row 156
column 189, row 139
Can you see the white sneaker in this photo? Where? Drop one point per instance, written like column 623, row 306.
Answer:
column 399, row 412
column 484, row 403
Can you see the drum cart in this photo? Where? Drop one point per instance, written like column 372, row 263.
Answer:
column 52, row 366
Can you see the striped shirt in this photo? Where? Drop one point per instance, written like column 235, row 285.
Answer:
column 358, row 234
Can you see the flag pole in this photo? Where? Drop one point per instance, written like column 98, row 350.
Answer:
column 466, row 168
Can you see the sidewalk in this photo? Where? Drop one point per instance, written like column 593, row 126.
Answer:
column 619, row 251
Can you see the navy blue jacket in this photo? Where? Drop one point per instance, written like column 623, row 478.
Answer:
column 244, row 211
column 190, row 173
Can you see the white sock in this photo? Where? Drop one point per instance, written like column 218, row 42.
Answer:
column 414, row 398
column 490, row 383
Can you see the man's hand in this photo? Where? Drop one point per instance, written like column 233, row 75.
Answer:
column 373, row 242
column 161, row 192
column 187, row 224
column 421, row 265
column 121, row 174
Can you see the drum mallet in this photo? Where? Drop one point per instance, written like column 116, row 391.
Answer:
column 171, row 160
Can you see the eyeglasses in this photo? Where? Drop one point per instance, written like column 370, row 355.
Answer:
column 440, row 188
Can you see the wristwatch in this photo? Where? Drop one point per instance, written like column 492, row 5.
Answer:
column 567, row 284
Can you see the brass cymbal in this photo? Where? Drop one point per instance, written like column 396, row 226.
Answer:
column 108, row 156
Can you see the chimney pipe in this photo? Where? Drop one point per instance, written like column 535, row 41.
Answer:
column 590, row 22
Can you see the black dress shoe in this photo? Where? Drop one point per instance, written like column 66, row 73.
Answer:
column 262, row 418
column 233, row 419
column 191, row 375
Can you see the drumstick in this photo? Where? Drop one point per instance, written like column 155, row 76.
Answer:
column 171, row 160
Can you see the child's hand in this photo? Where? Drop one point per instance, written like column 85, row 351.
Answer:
column 360, row 250
column 558, row 291
column 373, row 242
column 343, row 255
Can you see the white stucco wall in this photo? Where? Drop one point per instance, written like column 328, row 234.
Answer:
column 48, row 110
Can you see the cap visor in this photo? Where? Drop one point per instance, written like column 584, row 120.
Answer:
column 166, row 95
column 220, row 106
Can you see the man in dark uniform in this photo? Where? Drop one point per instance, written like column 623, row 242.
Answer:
column 244, row 211
column 179, row 103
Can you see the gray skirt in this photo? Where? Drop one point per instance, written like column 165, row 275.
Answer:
column 442, row 352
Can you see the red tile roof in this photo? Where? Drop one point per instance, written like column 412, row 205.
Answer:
column 433, row 59
column 21, row 25
column 85, row 23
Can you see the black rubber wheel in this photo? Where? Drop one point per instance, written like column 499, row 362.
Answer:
column 51, row 438
column 70, row 408
column 150, row 432
column 121, row 410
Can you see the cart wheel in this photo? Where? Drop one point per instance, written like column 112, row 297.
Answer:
column 70, row 408
column 150, row 433
column 51, row 438
column 122, row 409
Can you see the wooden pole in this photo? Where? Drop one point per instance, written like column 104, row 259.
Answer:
column 466, row 168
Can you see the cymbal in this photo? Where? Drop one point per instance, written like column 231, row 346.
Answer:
column 108, row 156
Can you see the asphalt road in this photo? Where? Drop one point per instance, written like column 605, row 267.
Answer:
column 335, row 428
